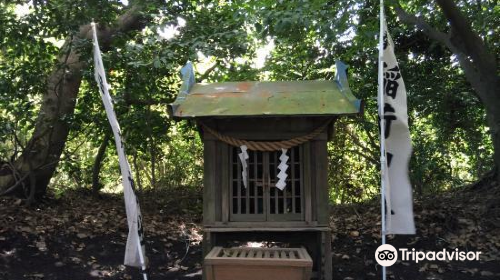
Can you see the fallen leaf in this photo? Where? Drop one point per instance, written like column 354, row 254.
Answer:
column 486, row 273
column 37, row 275
column 41, row 245
column 354, row 233
column 174, row 269
column 26, row 229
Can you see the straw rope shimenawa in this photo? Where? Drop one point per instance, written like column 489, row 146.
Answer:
column 267, row 146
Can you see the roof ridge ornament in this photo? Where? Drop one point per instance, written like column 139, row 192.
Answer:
column 341, row 75
column 188, row 79
column 343, row 83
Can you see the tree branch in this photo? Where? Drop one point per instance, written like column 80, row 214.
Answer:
column 462, row 41
column 144, row 102
column 16, row 185
column 423, row 25
column 465, row 38
column 358, row 143
column 370, row 159
column 209, row 70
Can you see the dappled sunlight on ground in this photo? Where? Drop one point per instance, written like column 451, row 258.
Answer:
column 75, row 238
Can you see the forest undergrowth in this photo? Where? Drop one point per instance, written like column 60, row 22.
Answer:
column 78, row 236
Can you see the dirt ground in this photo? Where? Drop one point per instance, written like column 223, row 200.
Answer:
column 78, row 237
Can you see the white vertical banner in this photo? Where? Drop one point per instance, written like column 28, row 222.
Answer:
column 396, row 144
column 135, row 250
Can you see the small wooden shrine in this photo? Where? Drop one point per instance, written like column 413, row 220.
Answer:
column 252, row 132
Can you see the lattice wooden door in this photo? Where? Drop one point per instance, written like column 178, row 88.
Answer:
column 261, row 200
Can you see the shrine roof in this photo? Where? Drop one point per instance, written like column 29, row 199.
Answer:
column 235, row 99
column 269, row 98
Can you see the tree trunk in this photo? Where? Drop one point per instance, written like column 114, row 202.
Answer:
column 478, row 63
column 96, row 169
column 480, row 68
column 493, row 115
column 46, row 145
column 51, row 130
column 137, row 175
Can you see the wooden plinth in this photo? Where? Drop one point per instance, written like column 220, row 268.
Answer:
column 258, row 263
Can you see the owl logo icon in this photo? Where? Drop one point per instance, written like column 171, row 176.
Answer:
column 386, row 255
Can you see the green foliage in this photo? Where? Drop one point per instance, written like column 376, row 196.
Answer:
column 447, row 122
column 450, row 137
column 183, row 164
column 143, row 73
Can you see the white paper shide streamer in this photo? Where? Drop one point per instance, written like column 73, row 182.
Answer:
column 244, row 166
column 134, row 252
column 283, row 166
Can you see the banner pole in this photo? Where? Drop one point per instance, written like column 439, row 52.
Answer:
column 382, row 127
column 141, row 258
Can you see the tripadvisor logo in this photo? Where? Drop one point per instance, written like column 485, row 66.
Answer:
column 387, row 255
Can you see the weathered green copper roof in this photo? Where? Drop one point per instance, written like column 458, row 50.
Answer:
column 238, row 99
